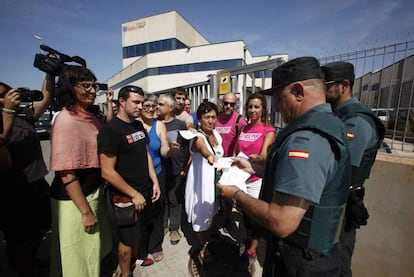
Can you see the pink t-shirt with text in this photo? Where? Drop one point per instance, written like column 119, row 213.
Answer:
column 251, row 139
column 226, row 128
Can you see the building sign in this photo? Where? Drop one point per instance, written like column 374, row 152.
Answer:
column 224, row 83
column 133, row 27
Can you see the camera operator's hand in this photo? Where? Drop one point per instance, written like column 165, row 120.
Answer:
column 109, row 95
column 39, row 107
column 11, row 99
column 109, row 101
column 10, row 102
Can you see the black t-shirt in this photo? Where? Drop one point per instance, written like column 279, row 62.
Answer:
column 128, row 142
column 176, row 162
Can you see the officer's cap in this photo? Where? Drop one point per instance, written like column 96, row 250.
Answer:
column 338, row 72
column 298, row 69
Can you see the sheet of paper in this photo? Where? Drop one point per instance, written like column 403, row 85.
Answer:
column 242, row 155
column 234, row 176
column 223, row 163
column 187, row 134
column 172, row 136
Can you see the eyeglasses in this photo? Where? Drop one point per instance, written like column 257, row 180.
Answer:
column 148, row 106
column 89, row 86
column 232, row 104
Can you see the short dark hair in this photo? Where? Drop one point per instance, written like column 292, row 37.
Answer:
column 180, row 90
column 70, row 75
column 125, row 91
column 206, row 107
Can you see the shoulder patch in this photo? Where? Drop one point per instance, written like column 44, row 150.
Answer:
column 298, row 154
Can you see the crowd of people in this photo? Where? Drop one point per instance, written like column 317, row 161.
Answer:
column 123, row 181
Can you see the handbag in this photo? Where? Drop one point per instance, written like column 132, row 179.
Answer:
column 125, row 212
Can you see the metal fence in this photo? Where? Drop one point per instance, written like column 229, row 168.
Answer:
column 385, row 83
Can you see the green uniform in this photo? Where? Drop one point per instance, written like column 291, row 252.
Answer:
column 309, row 160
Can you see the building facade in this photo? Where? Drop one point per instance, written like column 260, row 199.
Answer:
column 164, row 51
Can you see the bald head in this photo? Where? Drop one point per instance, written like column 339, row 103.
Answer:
column 229, row 103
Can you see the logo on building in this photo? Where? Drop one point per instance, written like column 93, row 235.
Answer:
column 133, row 27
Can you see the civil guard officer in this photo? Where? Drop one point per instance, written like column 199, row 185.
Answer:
column 365, row 133
column 306, row 179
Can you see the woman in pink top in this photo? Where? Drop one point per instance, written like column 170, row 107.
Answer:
column 254, row 141
column 80, row 225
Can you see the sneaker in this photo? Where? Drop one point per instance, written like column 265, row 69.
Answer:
column 174, row 237
column 147, row 262
column 252, row 256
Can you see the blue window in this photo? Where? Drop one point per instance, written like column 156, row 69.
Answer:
column 152, row 47
column 180, row 68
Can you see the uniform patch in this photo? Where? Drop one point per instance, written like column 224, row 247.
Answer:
column 350, row 135
column 298, row 154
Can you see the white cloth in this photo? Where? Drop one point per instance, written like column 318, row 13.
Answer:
column 200, row 203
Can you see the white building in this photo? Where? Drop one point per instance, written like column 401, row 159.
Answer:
column 164, row 51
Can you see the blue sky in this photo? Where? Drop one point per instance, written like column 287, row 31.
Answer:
column 92, row 29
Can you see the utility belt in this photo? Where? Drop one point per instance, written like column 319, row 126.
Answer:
column 281, row 248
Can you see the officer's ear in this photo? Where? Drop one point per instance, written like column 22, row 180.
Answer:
column 297, row 90
column 346, row 83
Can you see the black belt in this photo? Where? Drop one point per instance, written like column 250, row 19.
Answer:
column 283, row 248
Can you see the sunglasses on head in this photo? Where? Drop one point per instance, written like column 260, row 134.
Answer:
column 134, row 89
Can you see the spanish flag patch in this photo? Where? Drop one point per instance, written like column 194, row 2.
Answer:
column 298, row 154
column 350, row 135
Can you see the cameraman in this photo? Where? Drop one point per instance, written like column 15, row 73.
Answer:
column 9, row 102
column 24, row 192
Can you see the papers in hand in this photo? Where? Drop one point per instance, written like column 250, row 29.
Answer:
column 187, row 134
column 234, row 176
column 223, row 163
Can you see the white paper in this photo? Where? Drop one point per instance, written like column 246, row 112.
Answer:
column 223, row 162
column 187, row 134
column 242, row 155
column 234, row 176
column 172, row 136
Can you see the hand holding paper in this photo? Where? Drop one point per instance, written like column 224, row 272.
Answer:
column 234, row 176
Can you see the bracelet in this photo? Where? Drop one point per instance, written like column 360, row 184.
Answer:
column 234, row 200
column 9, row 111
column 70, row 182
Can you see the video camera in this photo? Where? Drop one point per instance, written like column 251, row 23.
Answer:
column 27, row 95
column 53, row 65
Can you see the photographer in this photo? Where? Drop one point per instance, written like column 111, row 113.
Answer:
column 9, row 102
column 24, row 193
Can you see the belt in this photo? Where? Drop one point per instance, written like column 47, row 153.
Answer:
column 283, row 248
